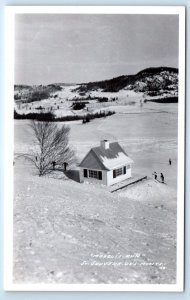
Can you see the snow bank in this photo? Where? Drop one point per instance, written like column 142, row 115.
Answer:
column 150, row 190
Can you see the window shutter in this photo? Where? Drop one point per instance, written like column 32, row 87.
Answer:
column 114, row 173
column 100, row 175
column 85, row 173
column 124, row 170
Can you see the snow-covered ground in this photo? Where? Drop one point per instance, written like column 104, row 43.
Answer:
column 62, row 229
column 60, row 102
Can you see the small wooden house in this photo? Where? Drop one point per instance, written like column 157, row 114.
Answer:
column 107, row 164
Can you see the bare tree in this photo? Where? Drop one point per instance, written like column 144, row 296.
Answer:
column 52, row 149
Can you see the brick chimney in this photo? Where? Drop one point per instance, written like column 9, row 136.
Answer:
column 105, row 144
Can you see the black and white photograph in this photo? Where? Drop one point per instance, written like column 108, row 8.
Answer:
column 98, row 148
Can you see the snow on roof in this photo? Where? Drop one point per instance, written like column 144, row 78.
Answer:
column 110, row 158
column 120, row 160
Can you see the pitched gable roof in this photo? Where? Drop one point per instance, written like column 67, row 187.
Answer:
column 99, row 158
column 91, row 161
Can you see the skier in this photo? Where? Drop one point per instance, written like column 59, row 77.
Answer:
column 162, row 177
column 170, row 161
column 155, row 175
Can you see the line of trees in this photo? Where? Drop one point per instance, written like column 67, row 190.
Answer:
column 50, row 117
column 163, row 100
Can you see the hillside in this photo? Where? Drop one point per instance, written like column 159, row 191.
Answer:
column 148, row 80
column 65, row 232
column 75, row 102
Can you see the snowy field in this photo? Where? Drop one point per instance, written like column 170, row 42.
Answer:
column 67, row 232
column 62, row 104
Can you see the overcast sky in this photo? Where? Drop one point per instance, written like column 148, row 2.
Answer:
column 53, row 48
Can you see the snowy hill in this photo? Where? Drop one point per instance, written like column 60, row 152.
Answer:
column 67, row 232
column 151, row 79
column 64, row 230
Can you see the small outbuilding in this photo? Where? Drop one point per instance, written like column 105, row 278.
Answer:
column 107, row 164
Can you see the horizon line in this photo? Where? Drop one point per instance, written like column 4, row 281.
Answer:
column 80, row 83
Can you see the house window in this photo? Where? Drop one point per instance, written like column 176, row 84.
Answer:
column 95, row 174
column 117, row 172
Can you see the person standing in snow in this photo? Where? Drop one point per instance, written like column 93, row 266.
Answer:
column 53, row 164
column 170, row 161
column 65, row 166
column 162, row 177
column 155, row 175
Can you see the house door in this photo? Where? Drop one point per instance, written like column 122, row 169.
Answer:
column 85, row 173
column 100, row 175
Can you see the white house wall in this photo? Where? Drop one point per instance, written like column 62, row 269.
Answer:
column 107, row 177
column 111, row 180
